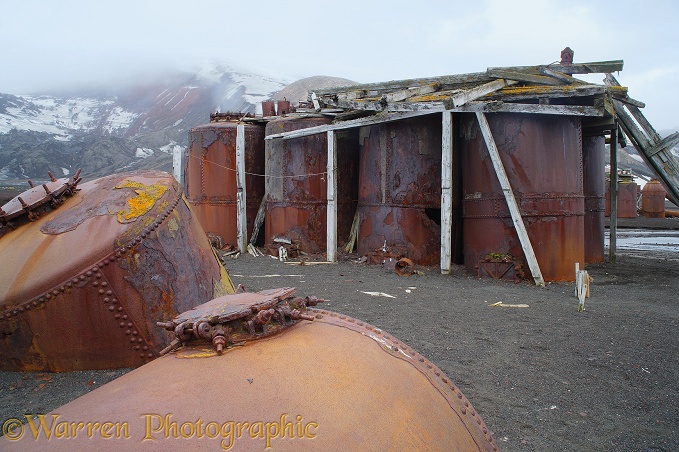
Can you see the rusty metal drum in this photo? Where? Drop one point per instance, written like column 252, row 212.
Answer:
column 542, row 156
column 296, row 206
column 628, row 194
column 593, row 165
column 210, row 183
column 400, row 188
column 82, row 286
column 653, row 199
column 322, row 382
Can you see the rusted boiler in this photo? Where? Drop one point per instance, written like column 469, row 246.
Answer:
column 296, row 169
column 593, row 165
column 542, row 156
column 400, row 188
column 82, row 285
column 211, row 182
column 653, row 200
column 277, row 374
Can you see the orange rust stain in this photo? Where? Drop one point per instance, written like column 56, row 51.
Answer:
column 147, row 195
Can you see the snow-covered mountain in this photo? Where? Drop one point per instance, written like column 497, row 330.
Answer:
column 134, row 127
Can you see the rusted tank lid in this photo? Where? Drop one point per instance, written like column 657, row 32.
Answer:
column 234, row 319
column 105, row 215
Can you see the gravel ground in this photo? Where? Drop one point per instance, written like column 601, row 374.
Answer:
column 543, row 377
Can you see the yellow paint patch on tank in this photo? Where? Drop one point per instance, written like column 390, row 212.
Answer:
column 146, row 198
column 173, row 227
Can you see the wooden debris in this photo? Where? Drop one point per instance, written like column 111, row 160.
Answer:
column 507, row 305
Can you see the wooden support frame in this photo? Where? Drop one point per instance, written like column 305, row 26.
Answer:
column 511, row 200
column 241, row 217
column 613, row 228
column 446, row 192
column 331, row 243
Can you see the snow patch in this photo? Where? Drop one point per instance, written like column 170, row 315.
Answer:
column 65, row 171
column 143, row 153
column 171, row 148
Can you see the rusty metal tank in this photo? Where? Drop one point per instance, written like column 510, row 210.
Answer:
column 296, row 206
column 211, row 182
column 82, row 285
column 315, row 380
column 653, row 199
column 400, row 188
column 593, row 169
column 628, row 194
column 542, row 156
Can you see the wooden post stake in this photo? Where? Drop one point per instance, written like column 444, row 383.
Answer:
column 446, row 192
column 613, row 230
column 241, row 220
column 332, row 197
column 511, row 200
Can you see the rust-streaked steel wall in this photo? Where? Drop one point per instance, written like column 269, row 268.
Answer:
column 211, row 176
column 296, row 205
column 594, row 182
column 400, row 188
column 334, row 383
column 653, row 200
column 542, row 155
column 88, row 281
column 628, row 194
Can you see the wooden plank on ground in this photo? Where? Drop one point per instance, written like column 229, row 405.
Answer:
column 511, row 200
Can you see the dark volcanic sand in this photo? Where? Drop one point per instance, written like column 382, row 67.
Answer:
column 543, row 378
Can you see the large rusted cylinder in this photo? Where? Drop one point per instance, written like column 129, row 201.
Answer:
column 542, row 156
column 400, row 188
column 628, row 194
column 334, row 383
column 653, row 200
column 211, row 182
column 296, row 206
column 593, row 166
column 83, row 286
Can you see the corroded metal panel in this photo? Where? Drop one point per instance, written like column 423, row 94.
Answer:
column 297, row 184
column 628, row 194
column 211, row 176
column 89, row 280
column 400, row 188
column 594, row 189
column 326, row 382
column 542, row 156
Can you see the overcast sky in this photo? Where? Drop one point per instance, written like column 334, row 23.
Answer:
column 48, row 44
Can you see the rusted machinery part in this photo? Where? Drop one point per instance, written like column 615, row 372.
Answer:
column 404, row 267
column 336, row 382
column 237, row 318
column 31, row 203
column 92, row 283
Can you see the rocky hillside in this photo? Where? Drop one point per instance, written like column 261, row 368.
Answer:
column 133, row 128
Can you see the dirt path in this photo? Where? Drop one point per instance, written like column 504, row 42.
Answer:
column 543, row 378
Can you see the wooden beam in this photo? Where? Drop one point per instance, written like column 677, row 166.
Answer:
column 597, row 67
column 360, row 122
column 511, row 200
column 241, row 217
column 613, row 198
column 518, row 93
column 397, row 96
column 446, row 192
column 480, row 91
column 666, row 143
column 563, row 78
column 523, row 77
column 331, row 243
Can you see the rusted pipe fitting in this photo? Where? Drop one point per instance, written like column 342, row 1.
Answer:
column 404, row 267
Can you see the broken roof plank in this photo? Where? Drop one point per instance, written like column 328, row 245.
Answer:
column 477, row 92
column 597, row 67
column 445, row 81
column 532, row 92
column 523, row 77
column 565, row 79
column 505, row 107
column 375, row 119
column 413, row 91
